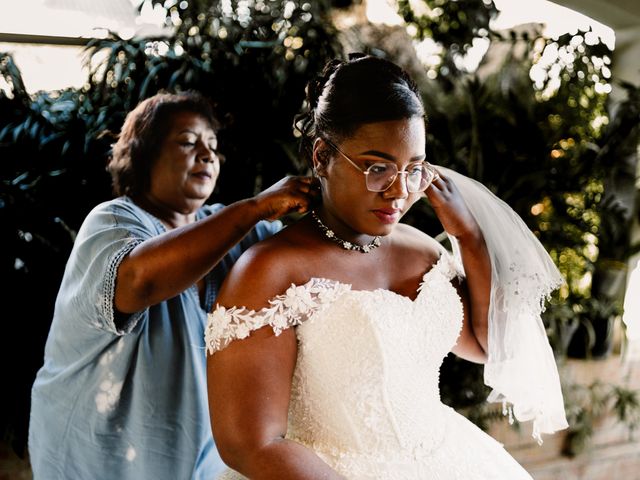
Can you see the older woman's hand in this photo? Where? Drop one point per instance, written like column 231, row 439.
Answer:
column 289, row 195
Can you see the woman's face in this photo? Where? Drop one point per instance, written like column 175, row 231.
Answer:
column 185, row 173
column 348, row 205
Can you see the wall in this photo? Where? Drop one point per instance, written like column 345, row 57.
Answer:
column 613, row 453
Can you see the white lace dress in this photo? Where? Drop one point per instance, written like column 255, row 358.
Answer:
column 365, row 388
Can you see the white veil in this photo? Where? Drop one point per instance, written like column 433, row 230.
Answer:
column 521, row 368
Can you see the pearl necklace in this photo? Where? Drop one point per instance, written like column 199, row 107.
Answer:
column 375, row 243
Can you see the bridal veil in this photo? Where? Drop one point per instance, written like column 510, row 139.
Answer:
column 521, row 369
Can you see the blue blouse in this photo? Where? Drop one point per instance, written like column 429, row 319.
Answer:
column 125, row 401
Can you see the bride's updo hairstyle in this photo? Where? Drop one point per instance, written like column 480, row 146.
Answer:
column 349, row 93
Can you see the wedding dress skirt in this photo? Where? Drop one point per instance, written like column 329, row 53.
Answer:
column 365, row 393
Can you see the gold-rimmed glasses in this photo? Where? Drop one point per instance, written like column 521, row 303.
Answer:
column 380, row 176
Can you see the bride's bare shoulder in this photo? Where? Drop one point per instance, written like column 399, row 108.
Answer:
column 263, row 271
column 416, row 243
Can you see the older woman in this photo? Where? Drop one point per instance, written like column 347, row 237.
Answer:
column 122, row 393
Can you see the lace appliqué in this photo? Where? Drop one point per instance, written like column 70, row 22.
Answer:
column 447, row 265
column 288, row 310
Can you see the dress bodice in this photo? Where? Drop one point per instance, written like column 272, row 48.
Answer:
column 366, row 377
column 366, row 361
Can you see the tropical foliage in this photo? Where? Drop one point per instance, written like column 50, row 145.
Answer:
column 533, row 127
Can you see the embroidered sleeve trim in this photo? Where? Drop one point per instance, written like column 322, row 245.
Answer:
column 296, row 305
column 110, row 290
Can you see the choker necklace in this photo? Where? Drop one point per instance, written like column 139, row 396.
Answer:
column 375, row 243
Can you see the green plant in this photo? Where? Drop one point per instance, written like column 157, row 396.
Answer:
column 618, row 157
column 593, row 337
column 48, row 181
column 561, row 322
column 462, row 388
column 586, row 404
column 558, row 166
column 456, row 26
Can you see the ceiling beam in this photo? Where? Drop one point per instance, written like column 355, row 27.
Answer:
column 42, row 39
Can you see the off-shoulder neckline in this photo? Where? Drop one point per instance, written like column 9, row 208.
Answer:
column 299, row 302
column 435, row 267
column 438, row 266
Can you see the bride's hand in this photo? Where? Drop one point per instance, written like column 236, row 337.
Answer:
column 450, row 208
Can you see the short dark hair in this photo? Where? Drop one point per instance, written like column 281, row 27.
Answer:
column 350, row 93
column 142, row 135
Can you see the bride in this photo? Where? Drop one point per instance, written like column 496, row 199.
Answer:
column 327, row 339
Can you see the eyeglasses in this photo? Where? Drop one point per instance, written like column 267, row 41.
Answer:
column 380, row 176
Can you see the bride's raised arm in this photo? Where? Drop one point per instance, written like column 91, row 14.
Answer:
column 475, row 289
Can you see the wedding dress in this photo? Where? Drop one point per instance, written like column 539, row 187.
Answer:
column 365, row 392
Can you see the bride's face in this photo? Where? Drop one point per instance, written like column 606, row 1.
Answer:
column 348, row 204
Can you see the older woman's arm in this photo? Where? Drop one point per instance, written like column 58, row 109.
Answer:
column 164, row 266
